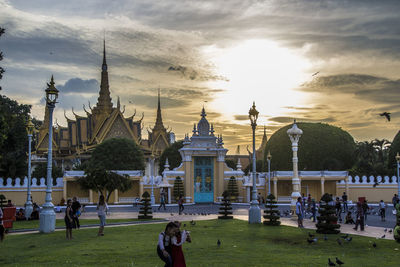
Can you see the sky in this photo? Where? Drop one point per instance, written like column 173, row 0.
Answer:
column 333, row 62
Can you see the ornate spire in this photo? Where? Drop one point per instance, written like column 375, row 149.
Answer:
column 203, row 127
column 264, row 139
column 104, row 103
column 159, row 123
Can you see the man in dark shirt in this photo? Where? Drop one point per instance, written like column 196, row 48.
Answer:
column 76, row 209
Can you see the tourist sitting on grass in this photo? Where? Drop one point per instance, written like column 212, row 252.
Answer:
column 164, row 246
column 9, row 203
column 35, row 212
column 69, row 219
column 177, row 241
column 349, row 218
column 20, row 216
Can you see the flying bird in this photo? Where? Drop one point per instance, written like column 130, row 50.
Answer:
column 219, row 243
column 330, row 263
column 315, row 73
column 386, row 114
column 339, row 262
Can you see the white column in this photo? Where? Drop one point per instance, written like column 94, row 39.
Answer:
column 169, row 195
column 116, row 199
column 276, row 188
column 322, row 186
column 248, row 194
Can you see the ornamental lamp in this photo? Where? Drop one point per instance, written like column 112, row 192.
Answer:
column 253, row 115
column 398, row 157
column 269, row 157
column 51, row 92
column 30, row 127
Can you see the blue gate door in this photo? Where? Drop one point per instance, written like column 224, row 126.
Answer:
column 203, row 179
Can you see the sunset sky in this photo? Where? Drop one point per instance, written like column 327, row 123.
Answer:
column 220, row 54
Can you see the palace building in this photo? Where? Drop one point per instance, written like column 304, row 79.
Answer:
column 74, row 143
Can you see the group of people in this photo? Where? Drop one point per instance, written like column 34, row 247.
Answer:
column 73, row 211
column 163, row 200
column 305, row 205
column 169, row 247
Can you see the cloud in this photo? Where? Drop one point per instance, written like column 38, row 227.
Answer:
column 285, row 120
column 241, row 117
column 77, row 85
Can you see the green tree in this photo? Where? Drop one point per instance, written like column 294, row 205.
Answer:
column 173, row 155
column 178, row 187
column 393, row 150
column 321, row 147
column 327, row 221
column 1, row 56
column 117, row 154
column 233, row 189
column 271, row 212
column 259, row 167
column 13, row 137
column 41, row 171
column 145, row 211
column 104, row 181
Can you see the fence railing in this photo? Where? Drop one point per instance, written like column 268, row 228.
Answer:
column 18, row 183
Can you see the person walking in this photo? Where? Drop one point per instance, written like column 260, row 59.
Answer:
column 76, row 208
column 394, row 200
column 359, row 217
column 102, row 209
column 299, row 212
column 382, row 210
column 180, row 204
column 365, row 208
column 69, row 220
column 314, row 210
column 344, row 200
column 162, row 200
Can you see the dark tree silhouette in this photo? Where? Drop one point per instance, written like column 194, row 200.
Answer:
column 327, row 221
column 145, row 211
column 271, row 213
column 226, row 208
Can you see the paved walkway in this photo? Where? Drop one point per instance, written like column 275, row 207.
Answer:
column 370, row 231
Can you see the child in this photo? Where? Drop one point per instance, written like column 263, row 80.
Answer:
column 69, row 220
column 164, row 246
column 177, row 241
column 349, row 219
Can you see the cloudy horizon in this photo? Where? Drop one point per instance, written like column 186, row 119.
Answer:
column 335, row 62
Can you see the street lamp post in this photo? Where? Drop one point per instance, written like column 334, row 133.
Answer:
column 294, row 135
column 398, row 176
column 28, row 204
column 47, row 214
column 152, row 199
column 254, row 211
column 269, row 157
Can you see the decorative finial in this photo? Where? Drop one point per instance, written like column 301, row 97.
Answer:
column 118, row 104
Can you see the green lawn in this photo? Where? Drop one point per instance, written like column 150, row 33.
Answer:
column 60, row 223
column 242, row 245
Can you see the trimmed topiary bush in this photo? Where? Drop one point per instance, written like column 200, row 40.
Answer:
column 233, row 188
column 327, row 221
column 178, row 188
column 271, row 212
column 226, row 209
column 145, row 211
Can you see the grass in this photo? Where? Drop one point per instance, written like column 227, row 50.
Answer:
column 17, row 225
column 242, row 245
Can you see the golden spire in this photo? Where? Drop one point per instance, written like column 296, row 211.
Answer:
column 104, row 103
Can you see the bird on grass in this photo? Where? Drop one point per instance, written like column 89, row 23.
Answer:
column 192, row 222
column 374, row 245
column 390, row 231
column 310, row 235
column 349, row 239
column 383, row 236
column 339, row 262
column 184, row 225
column 345, row 236
column 313, row 240
column 386, row 114
column 219, row 243
column 331, row 263
column 325, row 238
column 339, row 241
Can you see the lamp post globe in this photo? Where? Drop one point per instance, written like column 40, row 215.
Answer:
column 47, row 215
column 398, row 176
column 294, row 134
column 254, row 211
column 28, row 205
column 269, row 157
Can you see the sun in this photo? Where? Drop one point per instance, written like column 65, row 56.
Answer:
column 260, row 71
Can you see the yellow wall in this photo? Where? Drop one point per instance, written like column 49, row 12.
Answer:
column 372, row 194
column 74, row 190
column 18, row 198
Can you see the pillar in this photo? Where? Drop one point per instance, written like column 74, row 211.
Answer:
column 189, row 190
column 90, row 196
column 276, row 188
column 248, row 194
column 220, row 179
column 116, row 199
column 322, row 186
column 346, row 181
column 65, row 190
column 140, row 189
column 169, row 195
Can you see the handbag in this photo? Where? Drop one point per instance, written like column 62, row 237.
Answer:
column 78, row 213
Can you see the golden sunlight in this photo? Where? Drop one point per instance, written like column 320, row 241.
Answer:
column 262, row 71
